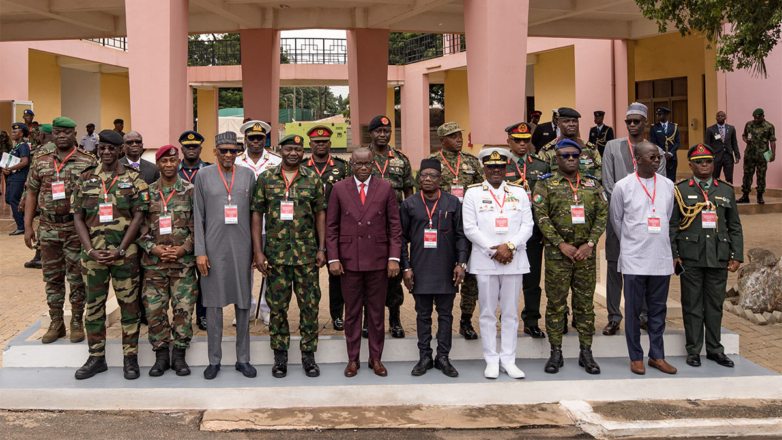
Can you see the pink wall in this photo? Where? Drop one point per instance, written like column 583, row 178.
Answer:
column 261, row 69
column 367, row 76
column 13, row 71
column 415, row 117
column 593, row 81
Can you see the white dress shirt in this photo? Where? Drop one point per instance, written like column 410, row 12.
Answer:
column 265, row 162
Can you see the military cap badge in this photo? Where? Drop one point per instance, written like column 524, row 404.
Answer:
column 297, row 139
column 384, row 121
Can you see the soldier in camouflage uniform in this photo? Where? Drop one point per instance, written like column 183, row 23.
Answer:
column 590, row 161
column 47, row 146
column 53, row 178
column 571, row 209
column 33, row 137
column 393, row 166
column 169, row 264
column 459, row 170
column 759, row 136
column 108, row 207
column 291, row 198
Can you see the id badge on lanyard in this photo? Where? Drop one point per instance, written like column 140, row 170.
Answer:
column 231, row 215
column 164, row 224
column 58, row 190
column 286, row 211
column 577, row 214
column 653, row 224
column 458, row 191
column 106, row 212
column 708, row 219
column 501, row 225
column 430, row 238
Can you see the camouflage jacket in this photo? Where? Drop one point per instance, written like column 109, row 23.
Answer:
column 758, row 137
column 535, row 168
column 469, row 169
column 590, row 161
column 290, row 242
column 394, row 167
column 335, row 170
column 128, row 194
column 32, row 139
column 551, row 204
column 44, row 171
column 180, row 209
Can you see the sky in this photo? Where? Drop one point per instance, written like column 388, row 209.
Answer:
column 320, row 33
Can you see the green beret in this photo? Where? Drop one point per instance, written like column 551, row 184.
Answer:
column 292, row 139
column 758, row 112
column 46, row 128
column 63, row 122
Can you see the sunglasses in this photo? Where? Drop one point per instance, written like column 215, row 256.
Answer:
column 225, row 151
column 702, row 161
column 134, row 142
column 518, row 140
column 111, row 148
column 256, row 137
column 362, row 164
column 495, row 167
column 633, row 121
column 190, row 147
column 429, row 176
column 567, row 156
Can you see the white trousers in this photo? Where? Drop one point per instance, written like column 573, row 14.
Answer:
column 503, row 290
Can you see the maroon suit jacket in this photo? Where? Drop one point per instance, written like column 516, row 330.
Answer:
column 363, row 237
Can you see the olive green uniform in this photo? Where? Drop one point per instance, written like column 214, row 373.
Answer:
column 590, row 161
column 758, row 138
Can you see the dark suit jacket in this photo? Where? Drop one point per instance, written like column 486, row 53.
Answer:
column 543, row 134
column 723, row 146
column 363, row 237
column 601, row 138
column 657, row 137
column 147, row 170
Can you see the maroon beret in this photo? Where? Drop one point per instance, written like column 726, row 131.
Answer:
column 166, row 150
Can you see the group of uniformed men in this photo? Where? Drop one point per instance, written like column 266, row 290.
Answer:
column 101, row 221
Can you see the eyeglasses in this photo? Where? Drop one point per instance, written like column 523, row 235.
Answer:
column 362, row 164
column 429, row 176
column 633, row 121
column 702, row 161
column 225, row 151
column 111, row 148
column 256, row 137
column 567, row 156
column 134, row 142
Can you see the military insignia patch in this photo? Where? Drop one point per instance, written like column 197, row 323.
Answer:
column 72, row 199
column 523, row 128
column 124, row 185
column 320, row 132
column 335, row 171
column 538, row 198
column 145, row 196
column 604, row 197
column 598, row 160
column 588, row 183
column 384, row 121
column 297, row 139
column 191, row 136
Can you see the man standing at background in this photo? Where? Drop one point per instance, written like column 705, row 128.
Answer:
column 665, row 135
column 761, row 149
column 600, row 134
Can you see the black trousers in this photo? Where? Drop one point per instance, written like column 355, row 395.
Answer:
column 443, row 303
column 336, row 302
column 200, row 309
column 531, row 282
column 13, row 197
column 725, row 165
column 654, row 289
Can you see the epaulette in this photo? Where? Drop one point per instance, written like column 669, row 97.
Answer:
column 88, row 171
column 726, row 183
column 591, row 177
column 474, row 185
column 470, row 155
column 514, row 184
column 272, row 153
column 545, row 176
column 401, row 152
column 591, row 145
column 681, row 181
column 339, row 159
column 88, row 153
column 535, row 156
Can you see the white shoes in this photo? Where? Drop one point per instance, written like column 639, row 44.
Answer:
column 513, row 371
column 492, row 371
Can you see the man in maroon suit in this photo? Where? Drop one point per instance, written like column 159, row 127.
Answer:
column 364, row 243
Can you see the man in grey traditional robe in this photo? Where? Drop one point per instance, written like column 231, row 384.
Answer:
column 223, row 249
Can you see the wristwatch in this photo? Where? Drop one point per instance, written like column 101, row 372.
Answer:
column 121, row 251
column 591, row 243
column 511, row 246
column 463, row 265
column 321, row 249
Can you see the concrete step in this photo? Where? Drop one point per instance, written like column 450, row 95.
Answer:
column 56, row 388
column 112, row 313
column 769, row 192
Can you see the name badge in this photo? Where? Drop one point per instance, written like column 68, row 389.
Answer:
column 458, row 191
column 430, row 238
column 708, row 219
column 286, row 211
column 501, row 225
column 653, row 224
column 106, row 212
column 717, row 137
column 165, row 225
column 231, row 215
column 58, row 190
column 577, row 214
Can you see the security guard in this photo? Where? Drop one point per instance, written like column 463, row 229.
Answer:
column 600, row 134
column 393, row 166
column 292, row 200
column 534, row 119
column 108, row 207
column 169, row 264
column 459, row 170
column 53, row 178
column 590, row 162
column 33, row 137
column 760, row 137
column 331, row 170
column 526, row 169
column 665, row 135
column 707, row 241
column 571, row 208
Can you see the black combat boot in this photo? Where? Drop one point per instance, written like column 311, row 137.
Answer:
column 93, row 366
column 395, row 322
column 162, row 362
column 130, row 367
column 760, row 200
column 35, row 263
column 311, row 369
column 280, row 368
column 178, row 362
column 555, row 361
column 465, row 327
column 743, row 199
column 586, row 360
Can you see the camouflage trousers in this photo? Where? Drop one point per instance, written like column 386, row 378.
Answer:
column 579, row 278
column 754, row 162
column 175, row 286
column 61, row 259
column 395, row 295
column 303, row 280
column 123, row 274
column 469, row 294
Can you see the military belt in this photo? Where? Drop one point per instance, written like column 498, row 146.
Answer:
column 67, row 218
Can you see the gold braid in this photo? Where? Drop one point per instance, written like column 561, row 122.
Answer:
column 689, row 212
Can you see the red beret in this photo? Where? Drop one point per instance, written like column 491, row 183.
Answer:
column 166, row 150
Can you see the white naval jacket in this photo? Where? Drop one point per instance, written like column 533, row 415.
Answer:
column 479, row 212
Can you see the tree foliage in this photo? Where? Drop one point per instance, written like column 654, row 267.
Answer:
column 755, row 27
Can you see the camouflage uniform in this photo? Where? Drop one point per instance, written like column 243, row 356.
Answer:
column 758, row 138
column 44, row 149
column 173, row 282
column 551, row 203
column 32, row 139
column 590, row 161
column 470, row 172
column 60, row 246
column 128, row 194
column 291, row 247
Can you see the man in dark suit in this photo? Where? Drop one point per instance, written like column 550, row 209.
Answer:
column 721, row 137
column 600, row 134
column 364, row 245
column 133, row 147
column 545, row 132
column 665, row 134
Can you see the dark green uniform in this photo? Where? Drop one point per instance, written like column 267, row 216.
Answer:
column 590, row 161
column 128, row 194
column 758, row 138
column 705, row 253
column 169, row 282
column 291, row 247
column 526, row 172
column 469, row 172
column 551, row 202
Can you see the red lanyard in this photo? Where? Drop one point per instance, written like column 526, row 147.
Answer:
column 524, row 174
column 190, row 177
column 705, row 197
column 575, row 190
column 429, row 213
column 233, row 174
column 498, row 202
column 105, row 191
column 58, row 168
column 165, row 200
column 383, row 171
column 314, row 165
column 654, row 193
column 632, row 156
column 458, row 165
column 288, row 184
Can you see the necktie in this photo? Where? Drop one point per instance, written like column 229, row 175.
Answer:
column 362, row 193
column 722, row 131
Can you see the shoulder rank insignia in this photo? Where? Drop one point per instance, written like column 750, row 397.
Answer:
column 591, row 176
column 726, row 183
column 474, row 185
column 544, row 176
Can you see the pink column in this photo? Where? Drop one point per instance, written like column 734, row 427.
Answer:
column 415, row 116
column 594, row 86
column 367, row 78
column 496, row 66
column 158, row 69
column 620, row 78
column 261, row 76
column 13, row 71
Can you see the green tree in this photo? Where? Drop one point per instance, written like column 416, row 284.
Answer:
column 755, row 27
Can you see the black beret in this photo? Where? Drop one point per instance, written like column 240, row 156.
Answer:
column 431, row 164
column 110, row 137
column 379, row 121
column 600, row 113
column 567, row 112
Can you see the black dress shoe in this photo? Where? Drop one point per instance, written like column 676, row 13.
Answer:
column 201, row 322
column 720, row 358
column 466, row 329
column 644, row 326
column 395, row 322
column 280, row 367
column 534, row 331
column 694, row 360
column 130, row 367
column 246, row 369
column 743, row 199
column 17, row 232
column 555, row 361
column 311, row 369
column 211, row 371
column 339, row 324
column 760, row 199
column 443, row 364
column 93, row 366
column 424, row 364
column 611, row 328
